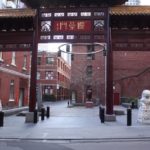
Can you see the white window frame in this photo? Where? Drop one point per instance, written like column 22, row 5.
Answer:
column 13, row 60
column 49, row 75
column 12, row 91
column 38, row 75
column 25, row 63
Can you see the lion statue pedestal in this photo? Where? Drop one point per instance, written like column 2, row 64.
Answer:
column 144, row 108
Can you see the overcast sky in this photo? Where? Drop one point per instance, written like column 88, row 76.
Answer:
column 145, row 2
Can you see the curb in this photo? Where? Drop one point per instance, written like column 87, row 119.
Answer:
column 10, row 112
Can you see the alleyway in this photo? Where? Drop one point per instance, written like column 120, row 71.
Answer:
column 72, row 123
column 80, row 116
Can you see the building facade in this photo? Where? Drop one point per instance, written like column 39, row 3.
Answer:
column 131, row 73
column 131, row 70
column 131, row 52
column 88, row 73
column 127, row 32
column 11, row 4
column 53, row 76
column 14, row 79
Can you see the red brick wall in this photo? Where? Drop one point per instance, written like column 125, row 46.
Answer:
column 79, row 65
column 131, row 72
column 21, row 80
column 7, row 56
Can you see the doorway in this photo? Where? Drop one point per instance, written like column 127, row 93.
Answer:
column 21, row 97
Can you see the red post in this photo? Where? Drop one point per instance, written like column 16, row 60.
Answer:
column 32, row 96
column 109, row 72
column 109, row 83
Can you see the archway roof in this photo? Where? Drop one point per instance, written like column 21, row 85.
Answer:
column 117, row 10
column 17, row 13
column 49, row 3
column 130, row 10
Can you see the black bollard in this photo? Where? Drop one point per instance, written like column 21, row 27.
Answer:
column 68, row 103
column 102, row 115
column 42, row 113
column 1, row 119
column 132, row 105
column 35, row 117
column 129, row 117
column 48, row 112
column 100, row 112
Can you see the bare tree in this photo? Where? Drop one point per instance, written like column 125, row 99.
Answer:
column 80, row 81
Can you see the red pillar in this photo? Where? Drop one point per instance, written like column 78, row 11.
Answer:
column 32, row 96
column 109, row 82
column 109, row 73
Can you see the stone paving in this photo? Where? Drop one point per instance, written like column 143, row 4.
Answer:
column 73, row 123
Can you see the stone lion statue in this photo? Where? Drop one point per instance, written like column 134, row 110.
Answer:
column 144, row 107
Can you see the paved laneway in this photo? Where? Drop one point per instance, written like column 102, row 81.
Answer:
column 72, row 123
column 74, row 145
column 85, row 117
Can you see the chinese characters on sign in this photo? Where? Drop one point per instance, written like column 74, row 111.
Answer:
column 74, row 26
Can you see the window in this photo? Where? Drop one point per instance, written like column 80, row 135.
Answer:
column 89, row 71
column 49, row 60
column 58, row 63
column 58, row 76
column 38, row 75
column 39, row 60
column 11, row 94
column 51, row 91
column 13, row 61
column 48, row 90
column 49, row 75
column 90, row 49
column 1, row 56
column 25, row 63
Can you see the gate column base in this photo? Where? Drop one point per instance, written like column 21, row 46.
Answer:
column 30, row 117
column 110, row 118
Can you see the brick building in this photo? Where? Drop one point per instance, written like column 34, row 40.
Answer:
column 130, row 75
column 88, row 73
column 127, row 34
column 131, row 54
column 54, row 76
column 14, row 78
